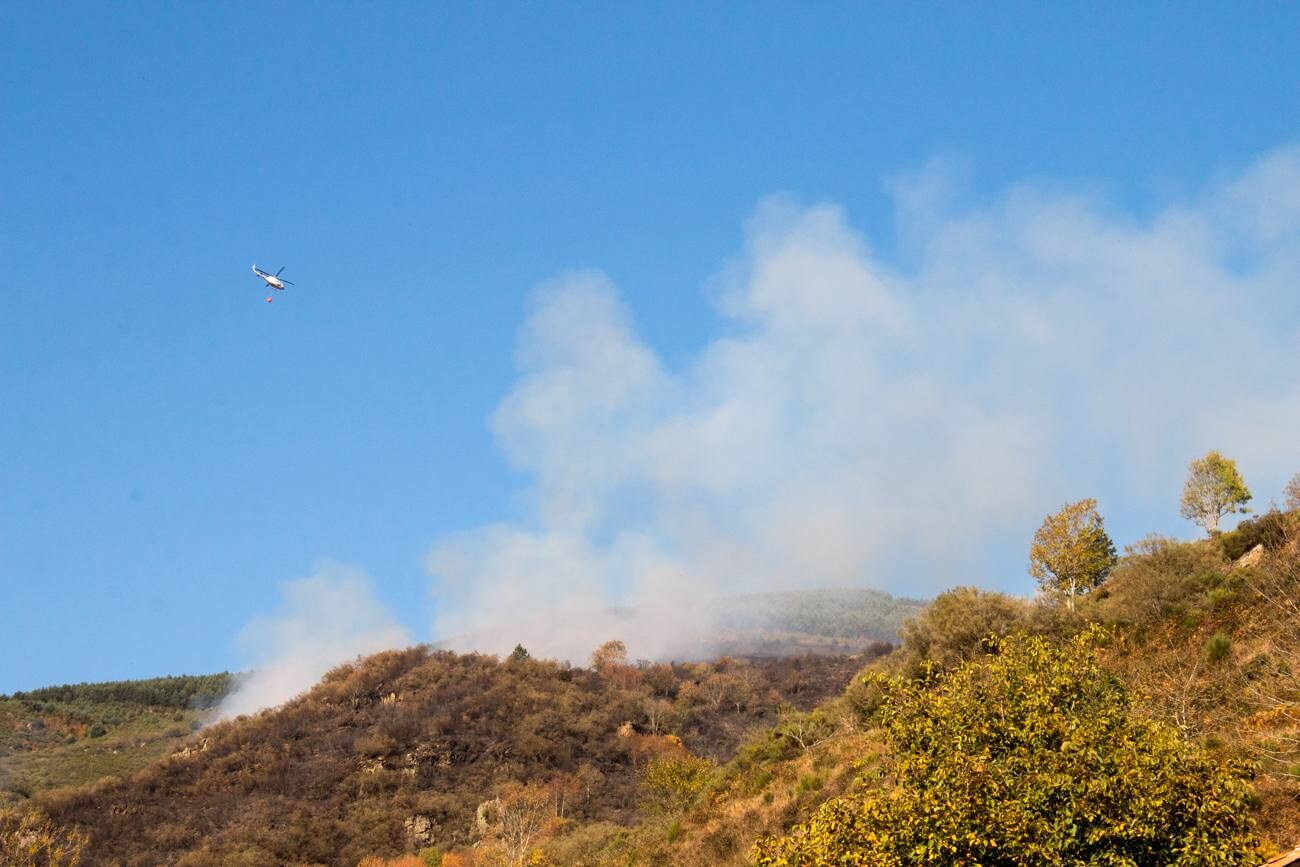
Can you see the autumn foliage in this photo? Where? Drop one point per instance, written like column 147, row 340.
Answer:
column 400, row 861
column 1071, row 553
column 1033, row 756
column 28, row 839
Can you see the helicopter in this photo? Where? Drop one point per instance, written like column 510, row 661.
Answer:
column 272, row 280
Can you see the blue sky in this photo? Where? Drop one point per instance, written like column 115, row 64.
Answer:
column 172, row 449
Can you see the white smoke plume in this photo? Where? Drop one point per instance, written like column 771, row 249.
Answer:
column 326, row 619
column 863, row 421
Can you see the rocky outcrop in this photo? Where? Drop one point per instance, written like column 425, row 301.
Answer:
column 1250, row 558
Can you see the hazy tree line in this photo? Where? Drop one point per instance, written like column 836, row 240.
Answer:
column 186, row 691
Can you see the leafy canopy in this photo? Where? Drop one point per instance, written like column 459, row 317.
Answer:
column 1214, row 488
column 1030, row 757
column 1071, row 552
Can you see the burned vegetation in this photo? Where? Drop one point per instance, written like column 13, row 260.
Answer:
column 402, row 749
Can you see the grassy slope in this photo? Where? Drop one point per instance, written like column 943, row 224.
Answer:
column 76, row 734
column 1214, row 649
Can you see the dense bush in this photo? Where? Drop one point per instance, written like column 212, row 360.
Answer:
column 672, row 783
column 953, row 628
column 1270, row 529
column 1217, row 648
column 1030, row 757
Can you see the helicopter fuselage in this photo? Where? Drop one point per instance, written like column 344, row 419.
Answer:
column 271, row 280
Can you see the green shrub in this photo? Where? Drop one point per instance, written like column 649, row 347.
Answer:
column 953, row 628
column 810, row 783
column 1031, row 757
column 673, row 783
column 1217, row 648
column 1220, row 596
column 863, row 697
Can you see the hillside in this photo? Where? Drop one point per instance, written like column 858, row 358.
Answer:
column 74, row 734
column 810, row 621
column 400, row 749
column 1202, row 638
column 1186, row 656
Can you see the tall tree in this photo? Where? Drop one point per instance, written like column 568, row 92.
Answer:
column 609, row 656
column 1214, row 488
column 517, row 818
column 1071, row 552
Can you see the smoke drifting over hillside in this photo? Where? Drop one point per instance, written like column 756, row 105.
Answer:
column 326, row 619
column 855, row 414
column 855, row 421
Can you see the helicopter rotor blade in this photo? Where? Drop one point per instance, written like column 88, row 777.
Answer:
column 286, row 282
column 277, row 273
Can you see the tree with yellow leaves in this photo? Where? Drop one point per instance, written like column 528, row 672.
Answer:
column 1071, row 552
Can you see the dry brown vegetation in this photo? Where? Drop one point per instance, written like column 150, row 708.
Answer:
column 399, row 751
column 1213, row 644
